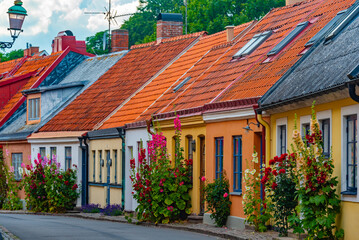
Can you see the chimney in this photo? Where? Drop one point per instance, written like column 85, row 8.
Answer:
column 230, row 33
column 169, row 25
column 31, row 51
column 66, row 39
column 289, row 2
column 119, row 40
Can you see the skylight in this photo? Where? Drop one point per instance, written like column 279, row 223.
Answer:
column 253, row 44
column 293, row 34
column 175, row 89
column 352, row 13
column 325, row 29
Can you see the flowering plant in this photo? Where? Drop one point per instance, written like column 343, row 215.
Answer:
column 319, row 203
column 160, row 188
column 113, row 210
column 3, row 179
column 91, row 208
column 13, row 201
column 255, row 205
column 217, row 198
column 48, row 188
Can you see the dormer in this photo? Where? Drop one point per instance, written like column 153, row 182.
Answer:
column 33, row 110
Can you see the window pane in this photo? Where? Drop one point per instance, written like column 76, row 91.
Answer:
column 351, row 177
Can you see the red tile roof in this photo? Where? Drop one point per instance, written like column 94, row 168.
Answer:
column 118, row 84
column 164, row 83
column 37, row 65
column 223, row 80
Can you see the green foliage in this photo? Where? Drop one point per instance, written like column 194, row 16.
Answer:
column 217, row 198
column 161, row 188
column 94, row 44
column 15, row 54
column 12, row 200
column 49, row 189
column 3, row 179
column 255, row 208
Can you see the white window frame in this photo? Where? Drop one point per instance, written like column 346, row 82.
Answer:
column 322, row 115
column 281, row 122
column 347, row 111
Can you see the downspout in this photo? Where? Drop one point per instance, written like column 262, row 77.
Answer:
column 122, row 133
column 267, row 134
column 85, row 148
column 352, row 93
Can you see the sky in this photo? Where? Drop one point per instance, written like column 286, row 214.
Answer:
column 46, row 18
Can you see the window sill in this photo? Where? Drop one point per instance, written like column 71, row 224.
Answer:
column 235, row 193
column 351, row 193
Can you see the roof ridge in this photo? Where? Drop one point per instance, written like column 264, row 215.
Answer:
column 172, row 39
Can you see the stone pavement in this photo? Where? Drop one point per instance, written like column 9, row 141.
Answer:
column 224, row 233
column 6, row 234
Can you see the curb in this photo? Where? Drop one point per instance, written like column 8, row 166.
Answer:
column 6, row 234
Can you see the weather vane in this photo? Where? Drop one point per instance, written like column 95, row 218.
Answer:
column 110, row 16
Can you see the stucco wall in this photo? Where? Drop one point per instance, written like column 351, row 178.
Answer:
column 348, row 218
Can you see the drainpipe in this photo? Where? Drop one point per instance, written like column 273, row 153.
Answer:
column 122, row 135
column 267, row 134
column 85, row 148
column 352, row 93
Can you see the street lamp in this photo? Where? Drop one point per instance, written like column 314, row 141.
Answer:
column 16, row 18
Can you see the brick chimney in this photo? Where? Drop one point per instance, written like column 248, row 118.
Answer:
column 289, row 2
column 66, row 39
column 230, row 33
column 169, row 25
column 119, row 40
column 31, row 51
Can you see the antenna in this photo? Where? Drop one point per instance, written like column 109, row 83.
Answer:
column 110, row 16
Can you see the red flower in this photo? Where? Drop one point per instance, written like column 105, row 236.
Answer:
column 275, row 172
column 60, row 177
column 74, row 187
column 264, row 205
column 66, row 183
column 274, row 185
column 271, row 162
column 276, row 158
column 282, row 171
column 181, row 183
column 132, row 163
column 264, row 180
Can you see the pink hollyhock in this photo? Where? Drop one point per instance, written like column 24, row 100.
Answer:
column 181, row 183
column 170, row 208
column 225, row 195
column 177, row 123
column 203, row 178
column 161, row 190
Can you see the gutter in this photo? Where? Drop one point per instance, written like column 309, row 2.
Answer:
column 122, row 134
column 266, row 129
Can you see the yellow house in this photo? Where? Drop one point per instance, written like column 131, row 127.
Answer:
column 327, row 74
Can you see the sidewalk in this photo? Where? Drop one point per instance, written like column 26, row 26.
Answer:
column 199, row 228
column 6, row 235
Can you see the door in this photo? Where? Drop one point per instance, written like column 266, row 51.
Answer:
column 202, row 172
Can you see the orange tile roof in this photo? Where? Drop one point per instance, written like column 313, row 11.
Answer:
column 163, row 84
column 7, row 66
column 36, row 63
column 117, row 85
column 222, row 79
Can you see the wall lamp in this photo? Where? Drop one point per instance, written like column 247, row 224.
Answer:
column 248, row 128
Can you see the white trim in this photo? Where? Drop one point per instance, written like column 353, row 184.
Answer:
column 54, row 140
column 281, row 122
column 346, row 111
column 229, row 115
column 326, row 115
column 304, row 120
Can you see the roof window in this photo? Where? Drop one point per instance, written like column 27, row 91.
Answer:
column 345, row 20
column 175, row 89
column 253, row 44
column 293, row 34
column 325, row 29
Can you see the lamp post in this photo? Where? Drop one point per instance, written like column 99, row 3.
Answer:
column 16, row 18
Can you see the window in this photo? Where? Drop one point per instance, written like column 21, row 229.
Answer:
column 293, row 34
column 16, row 159
column 100, row 161
column 324, row 30
column 325, row 128
column 175, row 89
column 94, row 166
column 68, row 157
column 189, row 147
column 52, row 153
column 305, row 132
column 347, row 18
column 253, row 44
column 42, row 152
column 115, row 159
column 219, row 156
column 34, row 109
column 351, row 153
column 237, row 164
column 282, row 139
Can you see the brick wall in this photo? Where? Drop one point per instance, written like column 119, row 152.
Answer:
column 119, row 40
column 168, row 29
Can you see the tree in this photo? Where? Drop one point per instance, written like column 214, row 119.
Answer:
column 94, row 44
column 11, row 55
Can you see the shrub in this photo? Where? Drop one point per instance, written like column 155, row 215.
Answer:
column 91, row 208
column 255, row 206
column 217, row 198
column 3, row 179
column 160, row 188
column 12, row 202
column 113, row 210
column 48, row 188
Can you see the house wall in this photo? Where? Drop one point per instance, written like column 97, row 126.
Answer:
column 337, row 109
column 195, row 127
column 133, row 136
column 250, row 140
column 98, row 179
column 17, row 147
column 60, row 145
